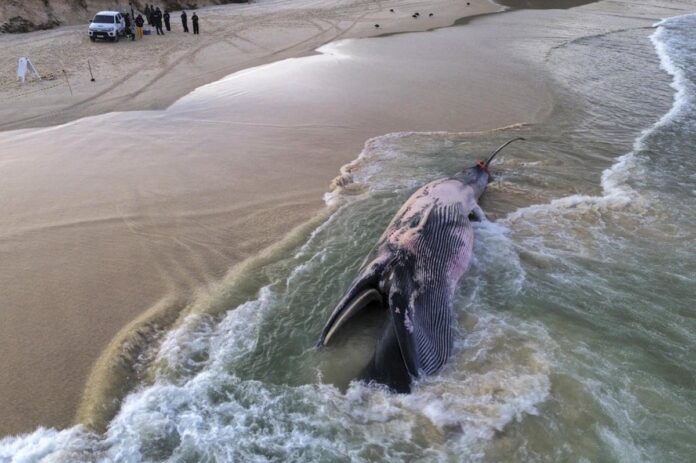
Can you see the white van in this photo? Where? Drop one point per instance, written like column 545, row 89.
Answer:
column 108, row 25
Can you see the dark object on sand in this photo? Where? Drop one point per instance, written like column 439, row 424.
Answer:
column 391, row 10
column 157, row 21
column 467, row 3
column 90, row 71
column 194, row 21
column 376, row 25
column 184, row 21
column 430, row 15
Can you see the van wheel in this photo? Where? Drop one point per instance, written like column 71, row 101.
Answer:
column 93, row 39
column 115, row 39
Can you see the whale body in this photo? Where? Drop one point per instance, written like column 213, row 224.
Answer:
column 413, row 272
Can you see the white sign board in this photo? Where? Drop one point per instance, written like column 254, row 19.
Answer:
column 24, row 66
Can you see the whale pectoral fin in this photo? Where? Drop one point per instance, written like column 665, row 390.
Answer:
column 402, row 324
column 360, row 294
column 477, row 214
column 387, row 365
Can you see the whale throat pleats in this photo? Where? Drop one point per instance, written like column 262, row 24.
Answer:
column 420, row 299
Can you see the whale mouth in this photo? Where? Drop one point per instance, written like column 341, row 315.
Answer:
column 355, row 305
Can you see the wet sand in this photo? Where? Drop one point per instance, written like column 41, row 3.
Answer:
column 126, row 216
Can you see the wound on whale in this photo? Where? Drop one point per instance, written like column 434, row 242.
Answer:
column 413, row 272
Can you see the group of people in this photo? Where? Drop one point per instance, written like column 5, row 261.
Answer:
column 156, row 18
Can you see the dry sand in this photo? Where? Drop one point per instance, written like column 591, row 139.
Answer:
column 107, row 218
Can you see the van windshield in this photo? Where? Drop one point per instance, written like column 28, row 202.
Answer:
column 103, row 19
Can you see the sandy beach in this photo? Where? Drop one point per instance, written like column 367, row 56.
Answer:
column 124, row 205
column 91, row 242
column 170, row 253
column 152, row 74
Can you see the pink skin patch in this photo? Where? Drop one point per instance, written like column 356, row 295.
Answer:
column 402, row 231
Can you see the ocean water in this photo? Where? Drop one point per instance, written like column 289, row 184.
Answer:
column 577, row 331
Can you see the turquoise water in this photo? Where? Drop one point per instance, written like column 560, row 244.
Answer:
column 576, row 334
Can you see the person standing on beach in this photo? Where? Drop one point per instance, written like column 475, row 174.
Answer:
column 184, row 21
column 194, row 20
column 166, row 21
column 129, row 26
column 157, row 18
column 148, row 13
column 139, row 23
